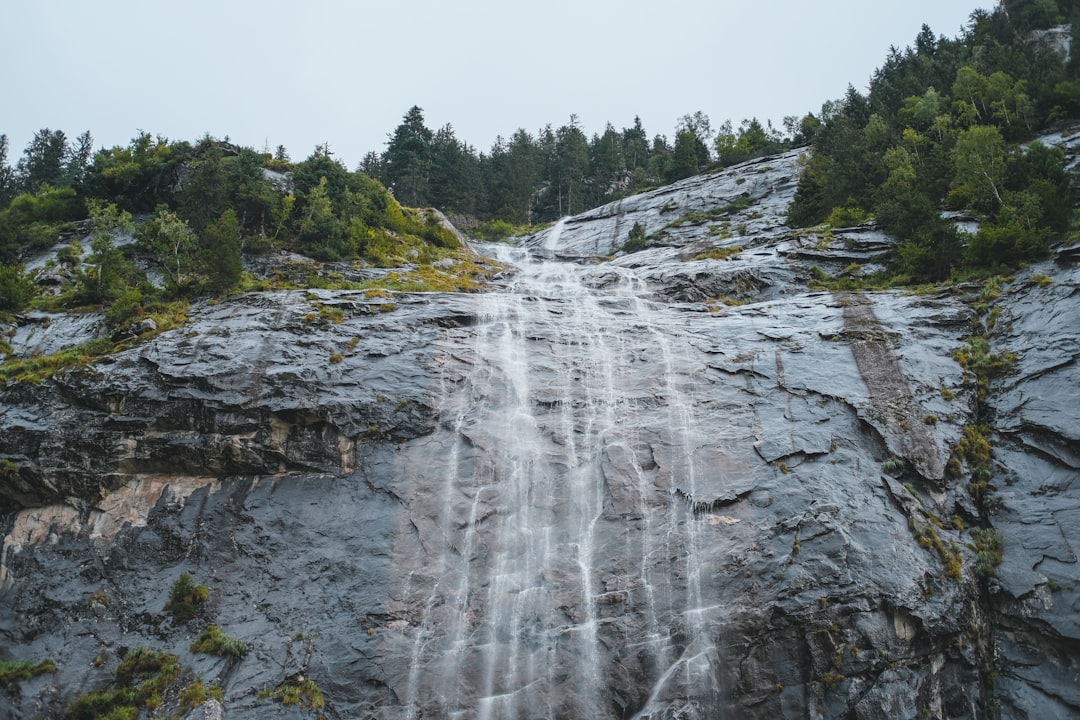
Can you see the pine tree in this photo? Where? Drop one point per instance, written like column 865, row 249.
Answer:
column 407, row 160
column 43, row 161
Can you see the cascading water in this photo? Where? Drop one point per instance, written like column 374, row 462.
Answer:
column 571, row 555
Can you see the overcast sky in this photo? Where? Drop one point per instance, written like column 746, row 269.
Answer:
column 269, row 72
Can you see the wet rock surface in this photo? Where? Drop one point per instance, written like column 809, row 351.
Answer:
column 675, row 484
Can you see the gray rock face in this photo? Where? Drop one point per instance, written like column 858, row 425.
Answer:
column 600, row 490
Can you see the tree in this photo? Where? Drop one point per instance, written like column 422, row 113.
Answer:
column 454, row 176
column 78, row 160
column 371, row 165
column 511, row 174
column 635, row 144
column 698, row 124
column 571, row 164
column 110, row 273
column 686, row 158
column 43, row 161
column 171, row 244
column 220, row 252
column 407, row 160
column 139, row 177
column 7, row 175
column 321, row 233
column 607, row 166
column 16, row 288
column 979, row 166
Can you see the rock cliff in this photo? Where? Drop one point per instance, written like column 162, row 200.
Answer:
column 674, row 483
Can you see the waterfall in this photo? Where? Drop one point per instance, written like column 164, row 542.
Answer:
column 568, row 554
column 551, row 240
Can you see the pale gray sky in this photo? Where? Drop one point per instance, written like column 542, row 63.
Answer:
column 269, row 72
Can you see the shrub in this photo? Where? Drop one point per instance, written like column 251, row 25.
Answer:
column 214, row 642
column 142, row 679
column 296, row 691
column 850, row 216
column 186, row 599
column 987, row 550
column 16, row 288
column 495, row 230
column 636, row 240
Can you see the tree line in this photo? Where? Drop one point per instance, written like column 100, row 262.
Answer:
column 533, row 178
column 947, row 124
column 199, row 207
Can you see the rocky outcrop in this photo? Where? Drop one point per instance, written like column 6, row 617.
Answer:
column 676, row 483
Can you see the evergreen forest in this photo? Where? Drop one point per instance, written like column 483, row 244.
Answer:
column 944, row 129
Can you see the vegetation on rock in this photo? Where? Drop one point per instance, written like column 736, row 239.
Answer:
column 186, row 598
column 948, row 124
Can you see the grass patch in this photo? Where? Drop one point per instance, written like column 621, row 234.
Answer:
column 142, row 679
column 13, row 671
column 212, row 641
column 987, row 547
column 42, row 367
column 719, row 253
column 197, row 694
column 296, row 691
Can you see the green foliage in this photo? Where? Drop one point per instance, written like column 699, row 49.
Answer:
column 988, row 551
column 12, row 671
column 300, row 691
column 170, row 243
column 407, row 160
column 636, row 240
column 942, row 119
column 16, row 288
column 197, row 694
column 41, row 367
column 186, row 599
column 220, row 252
column 495, row 231
column 724, row 253
column 213, row 641
column 139, row 177
column 32, row 221
column 111, row 273
column 142, row 680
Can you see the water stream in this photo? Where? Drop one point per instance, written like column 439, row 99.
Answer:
column 572, row 563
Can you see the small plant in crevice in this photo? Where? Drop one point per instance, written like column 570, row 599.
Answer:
column 296, row 690
column 197, row 694
column 831, row 680
column 988, row 552
column 212, row 641
column 893, row 466
column 186, row 598
column 928, row 539
column 636, row 240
